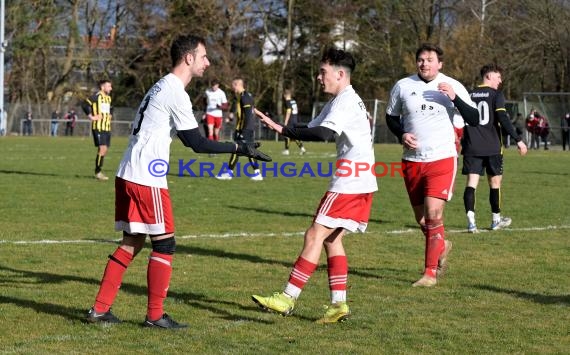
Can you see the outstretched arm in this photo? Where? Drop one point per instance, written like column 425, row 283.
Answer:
column 192, row 138
column 307, row 134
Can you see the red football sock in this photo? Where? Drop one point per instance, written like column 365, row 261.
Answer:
column 158, row 279
column 434, row 245
column 338, row 272
column 302, row 271
column 112, row 279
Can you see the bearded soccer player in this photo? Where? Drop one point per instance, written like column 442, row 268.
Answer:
column 99, row 110
column 420, row 113
column 142, row 201
column 483, row 147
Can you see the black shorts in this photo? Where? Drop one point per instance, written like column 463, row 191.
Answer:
column 245, row 135
column 291, row 123
column 101, row 138
column 492, row 165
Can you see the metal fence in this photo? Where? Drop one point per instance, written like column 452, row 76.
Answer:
column 123, row 118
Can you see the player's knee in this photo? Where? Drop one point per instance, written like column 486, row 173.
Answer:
column 432, row 223
column 164, row 246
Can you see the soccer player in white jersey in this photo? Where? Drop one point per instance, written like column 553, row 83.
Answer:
column 216, row 102
column 420, row 113
column 346, row 205
column 142, row 201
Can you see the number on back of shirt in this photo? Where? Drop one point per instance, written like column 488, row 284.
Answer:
column 484, row 114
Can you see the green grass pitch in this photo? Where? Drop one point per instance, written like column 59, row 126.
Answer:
column 506, row 291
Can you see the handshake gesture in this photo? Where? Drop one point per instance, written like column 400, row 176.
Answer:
column 250, row 150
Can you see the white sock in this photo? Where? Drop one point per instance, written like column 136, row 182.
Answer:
column 496, row 217
column 292, row 291
column 338, row 296
column 471, row 217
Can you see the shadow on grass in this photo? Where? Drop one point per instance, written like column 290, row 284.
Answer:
column 285, row 213
column 33, row 173
column 379, row 274
column 547, row 173
column 48, row 308
column 268, row 211
column 195, row 300
column 534, row 297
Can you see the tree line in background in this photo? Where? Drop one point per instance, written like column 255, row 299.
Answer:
column 58, row 49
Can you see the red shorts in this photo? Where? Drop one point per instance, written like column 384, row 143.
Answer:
column 142, row 209
column 213, row 120
column 458, row 136
column 433, row 179
column 348, row 211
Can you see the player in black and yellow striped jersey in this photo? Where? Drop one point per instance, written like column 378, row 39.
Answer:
column 242, row 109
column 99, row 110
column 290, row 120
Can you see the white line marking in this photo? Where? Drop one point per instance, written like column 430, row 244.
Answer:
column 483, row 230
column 289, row 234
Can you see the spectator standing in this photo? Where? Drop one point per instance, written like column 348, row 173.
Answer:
column 565, row 127
column 28, row 124
column 531, row 129
column 542, row 130
column 70, row 120
column 55, row 117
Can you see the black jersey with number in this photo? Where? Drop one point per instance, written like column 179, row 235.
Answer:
column 245, row 119
column 291, row 106
column 485, row 139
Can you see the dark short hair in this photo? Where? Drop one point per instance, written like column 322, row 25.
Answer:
column 103, row 81
column 338, row 57
column 183, row 45
column 490, row 68
column 241, row 78
column 215, row 82
column 429, row 47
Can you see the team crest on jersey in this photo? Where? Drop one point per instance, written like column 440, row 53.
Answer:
column 154, row 90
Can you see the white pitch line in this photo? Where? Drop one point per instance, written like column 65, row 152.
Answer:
column 453, row 231
column 272, row 234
